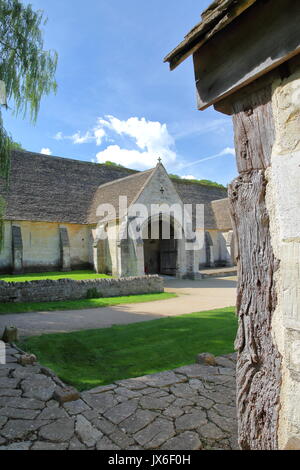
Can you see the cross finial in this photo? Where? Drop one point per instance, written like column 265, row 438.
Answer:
column 159, row 160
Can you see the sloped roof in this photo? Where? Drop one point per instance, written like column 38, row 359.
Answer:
column 222, row 214
column 129, row 186
column 216, row 17
column 193, row 193
column 54, row 189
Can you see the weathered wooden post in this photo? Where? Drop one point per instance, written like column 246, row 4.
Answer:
column 247, row 64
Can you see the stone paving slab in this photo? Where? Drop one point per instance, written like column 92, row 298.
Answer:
column 189, row 408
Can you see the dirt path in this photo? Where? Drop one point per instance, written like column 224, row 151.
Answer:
column 193, row 296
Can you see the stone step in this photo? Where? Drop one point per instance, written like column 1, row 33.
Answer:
column 218, row 272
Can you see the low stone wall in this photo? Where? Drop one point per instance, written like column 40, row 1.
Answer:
column 69, row 289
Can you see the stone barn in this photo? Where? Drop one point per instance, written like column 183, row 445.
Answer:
column 56, row 218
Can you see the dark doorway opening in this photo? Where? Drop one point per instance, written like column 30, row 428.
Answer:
column 160, row 254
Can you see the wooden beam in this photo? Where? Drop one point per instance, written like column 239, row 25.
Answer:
column 259, row 361
column 265, row 36
column 214, row 19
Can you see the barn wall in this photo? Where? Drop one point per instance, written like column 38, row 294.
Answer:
column 6, row 251
column 112, row 233
column 41, row 245
column 42, row 248
column 79, row 237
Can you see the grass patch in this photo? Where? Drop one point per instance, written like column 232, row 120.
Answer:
column 25, row 307
column 77, row 275
column 88, row 359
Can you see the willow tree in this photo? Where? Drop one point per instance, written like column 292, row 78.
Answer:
column 27, row 70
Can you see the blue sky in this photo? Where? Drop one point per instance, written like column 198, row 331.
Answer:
column 116, row 98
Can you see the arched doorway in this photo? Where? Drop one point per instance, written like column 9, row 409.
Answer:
column 160, row 248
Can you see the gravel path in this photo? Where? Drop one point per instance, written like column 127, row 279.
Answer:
column 193, row 296
column 190, row 408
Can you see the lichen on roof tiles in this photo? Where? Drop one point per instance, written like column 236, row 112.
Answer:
column 61, row 190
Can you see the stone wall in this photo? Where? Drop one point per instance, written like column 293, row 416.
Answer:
column 68, row 289
column 283, row 201
column 42, row 247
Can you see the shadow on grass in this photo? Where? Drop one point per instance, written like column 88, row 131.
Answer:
column 27, row 307
column 87, row 359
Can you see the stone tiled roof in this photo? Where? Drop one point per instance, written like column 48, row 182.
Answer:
column 54, row 189
column 193, row 193
column 129, row 186
column 216, row 17
column 221, row 213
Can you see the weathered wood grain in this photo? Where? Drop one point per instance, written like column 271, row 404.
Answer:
column 265, row 35
column 259, row 362
column 254, row 130
column 216, row 17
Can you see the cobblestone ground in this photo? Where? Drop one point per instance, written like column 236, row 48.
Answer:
column 189, row 408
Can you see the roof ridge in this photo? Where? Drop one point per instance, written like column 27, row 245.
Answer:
column 68, row 159
column 154, row 170
column 125, row 178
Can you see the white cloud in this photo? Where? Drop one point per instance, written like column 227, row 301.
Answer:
column 227, row 151
column 145, row 141
column 188, row 177
column 149, row 135
column 151, row 138
column 96, row 135
column 128, row 158
column 58, row 136
column 77, row 138
column 46, row 151
column 99, row 135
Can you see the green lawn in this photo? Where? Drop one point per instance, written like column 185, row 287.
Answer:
column 78, row 275
column 26, row 307
column 88, row 359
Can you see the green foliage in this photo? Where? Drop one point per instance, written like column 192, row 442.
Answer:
column 25, row 307
column 202, row 182
column 209, row 183
column 77, row 275
column 16, row 146
column 88, row 359
column 27, row 70
column 2, row 212
column 108, row 163
column 25, row 67
column 5, row 149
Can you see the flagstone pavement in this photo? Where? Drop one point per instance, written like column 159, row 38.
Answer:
column 189, row 408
